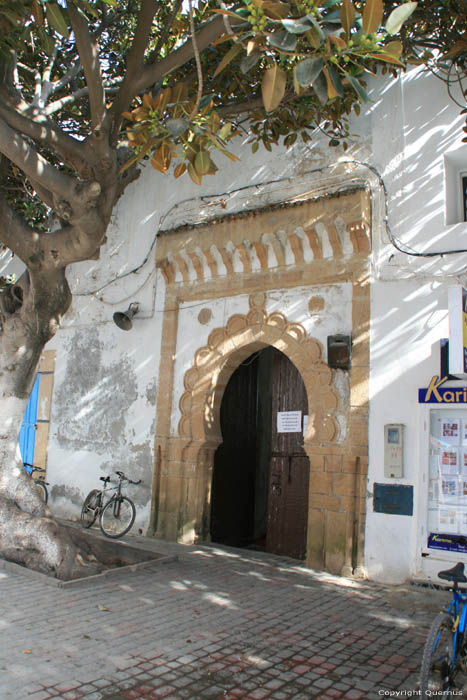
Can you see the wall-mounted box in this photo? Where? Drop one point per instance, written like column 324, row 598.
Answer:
column 339, row 351
column 394, row 450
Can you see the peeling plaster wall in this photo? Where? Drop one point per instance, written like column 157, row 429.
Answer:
column 105, row 384
column 103, row 414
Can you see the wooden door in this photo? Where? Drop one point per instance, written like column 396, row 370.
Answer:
column 260, row 480
column 233, row 483
column 289, row 465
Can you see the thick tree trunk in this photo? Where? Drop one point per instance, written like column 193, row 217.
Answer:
column 28, row 533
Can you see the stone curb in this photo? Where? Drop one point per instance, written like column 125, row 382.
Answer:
column 95, row 578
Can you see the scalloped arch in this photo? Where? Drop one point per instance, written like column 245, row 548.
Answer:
column 227, row 347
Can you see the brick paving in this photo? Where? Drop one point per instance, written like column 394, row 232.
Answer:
column 218, row 623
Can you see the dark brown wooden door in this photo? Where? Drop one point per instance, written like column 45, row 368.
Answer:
column 289, row 470
column 233, row 483
column 260, row 480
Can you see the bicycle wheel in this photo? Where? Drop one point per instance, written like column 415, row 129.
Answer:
column 90, row 508
column 41, row 489
column 117, row 517
column 436, row 672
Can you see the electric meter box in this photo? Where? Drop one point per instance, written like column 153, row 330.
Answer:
column 394, row 450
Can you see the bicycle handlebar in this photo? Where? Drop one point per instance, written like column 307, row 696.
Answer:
column 122, row 476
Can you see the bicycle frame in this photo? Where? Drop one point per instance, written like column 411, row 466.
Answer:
column 458, row 610
column 108, row 489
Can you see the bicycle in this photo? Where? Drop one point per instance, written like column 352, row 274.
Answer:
column 445, row 650
column 40, row 483
column 117, row 515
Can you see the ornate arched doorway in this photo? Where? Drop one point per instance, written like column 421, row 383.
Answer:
column 261, row 471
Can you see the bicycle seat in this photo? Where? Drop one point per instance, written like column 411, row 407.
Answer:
column 105, row 479
column 454, row 574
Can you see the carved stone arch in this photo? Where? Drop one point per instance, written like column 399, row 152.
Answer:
column 227, row 347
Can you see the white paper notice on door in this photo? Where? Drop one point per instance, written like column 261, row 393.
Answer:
column 289, row 422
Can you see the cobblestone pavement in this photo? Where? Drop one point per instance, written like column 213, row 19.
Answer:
column 218, row 623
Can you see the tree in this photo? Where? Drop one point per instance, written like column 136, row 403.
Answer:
column 89, row 88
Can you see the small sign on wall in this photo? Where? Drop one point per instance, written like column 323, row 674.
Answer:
column 289, row 422
column 457, row 330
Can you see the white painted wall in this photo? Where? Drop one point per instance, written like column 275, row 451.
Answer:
column 103, row 413
column 414, row 127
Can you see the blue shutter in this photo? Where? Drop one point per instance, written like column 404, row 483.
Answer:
column 27, row 433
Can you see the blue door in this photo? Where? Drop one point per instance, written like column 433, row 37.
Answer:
column 27, row 433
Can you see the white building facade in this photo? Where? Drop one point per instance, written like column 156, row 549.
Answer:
column 294, row 250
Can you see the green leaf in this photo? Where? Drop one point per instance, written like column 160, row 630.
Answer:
column 386, row 57
column 204, row 101
column 283, row 40
column 273, row 8
column 273, row 87
column 176, row 127
column 359, row 89
column 347, row 15
column 86, row 6
column 248, row 62
column 398, row 16
column 254, row 147
column 47, row 43
column 225, row 131
column 197, row 179
column 56, row 19
column 229, row 56
column 372, row 16
column 315, row 38
column 394, row 48
column 317, row 27
column 335, row 80
column 202, row 163
column 296, row 26
column 320, row 88
column 308, row 70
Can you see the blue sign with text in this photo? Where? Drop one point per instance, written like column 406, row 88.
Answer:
column 437, row 393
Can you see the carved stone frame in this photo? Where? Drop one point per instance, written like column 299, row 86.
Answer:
column 338, row 466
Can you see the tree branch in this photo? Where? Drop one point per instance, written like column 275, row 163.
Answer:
column 88, row 50
column 71, row 73
column 14, row 231
column 206, row 34
column 135, row 58
column 46, row 132
column 33, row 164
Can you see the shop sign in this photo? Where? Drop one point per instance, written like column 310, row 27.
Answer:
column 451, row 543
column 437, row 393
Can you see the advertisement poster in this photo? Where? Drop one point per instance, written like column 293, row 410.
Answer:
column 448, row 520
column 451, row 431
column 449, row 461
column 449, row 488
column 453, row 543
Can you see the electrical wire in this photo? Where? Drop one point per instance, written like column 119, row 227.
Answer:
column 407, row 250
